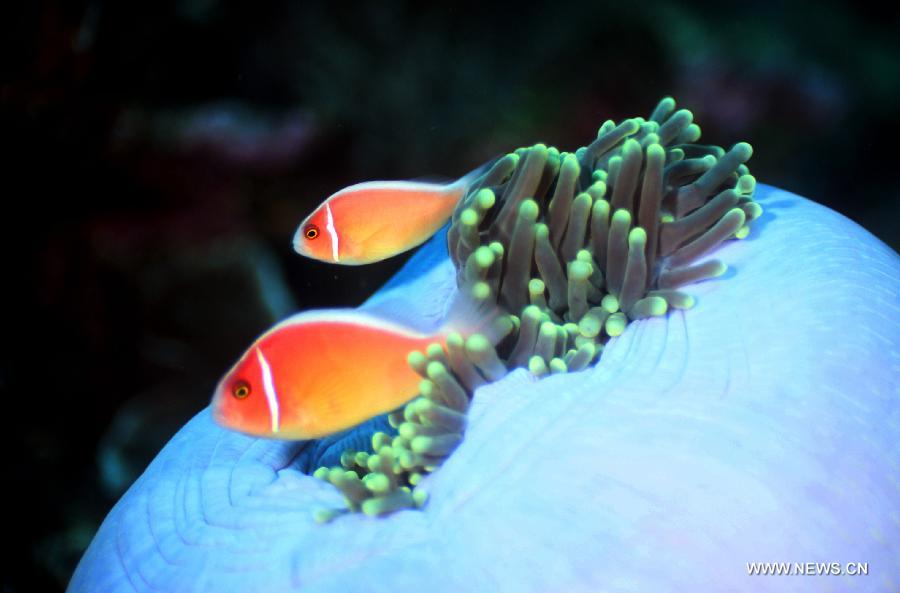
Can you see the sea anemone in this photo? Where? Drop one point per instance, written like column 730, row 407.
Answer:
column 537, row 234
column 761, row 426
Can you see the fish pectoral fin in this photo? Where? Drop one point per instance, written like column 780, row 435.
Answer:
column 350, row 401
column 375, row 243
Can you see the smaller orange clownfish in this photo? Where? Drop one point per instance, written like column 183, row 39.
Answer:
column 375, row 220
column 320, row 372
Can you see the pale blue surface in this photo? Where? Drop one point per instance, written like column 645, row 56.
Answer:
column 761, row 426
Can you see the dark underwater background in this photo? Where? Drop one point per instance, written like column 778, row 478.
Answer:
column 157, row 156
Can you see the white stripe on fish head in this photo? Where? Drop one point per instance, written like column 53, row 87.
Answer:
column 329, row 226
column 269, row 388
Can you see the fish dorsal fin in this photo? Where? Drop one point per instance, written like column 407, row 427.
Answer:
column 424, row 180
column 350, row 316
column 433, row 179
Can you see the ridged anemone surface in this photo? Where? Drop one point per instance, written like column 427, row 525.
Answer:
column 761, row 425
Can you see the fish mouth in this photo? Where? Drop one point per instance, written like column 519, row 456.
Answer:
column 297, row 241
column 218, row 409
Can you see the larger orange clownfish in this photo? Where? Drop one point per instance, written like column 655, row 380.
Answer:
column 375, row 220
column 320, row 372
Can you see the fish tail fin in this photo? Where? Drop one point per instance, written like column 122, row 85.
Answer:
column 474, row 309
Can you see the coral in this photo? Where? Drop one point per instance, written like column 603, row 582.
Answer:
column 573, row 246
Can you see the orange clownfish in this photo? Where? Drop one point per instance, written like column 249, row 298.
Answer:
column 320, row 372
column 375, row 220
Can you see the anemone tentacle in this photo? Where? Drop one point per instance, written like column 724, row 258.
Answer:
column 573, row 247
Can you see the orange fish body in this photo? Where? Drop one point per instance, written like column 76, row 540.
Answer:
column 318, row 373
column 372, row 221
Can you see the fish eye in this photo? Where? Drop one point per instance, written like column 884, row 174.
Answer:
column 240, row 389
column 311, row 231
